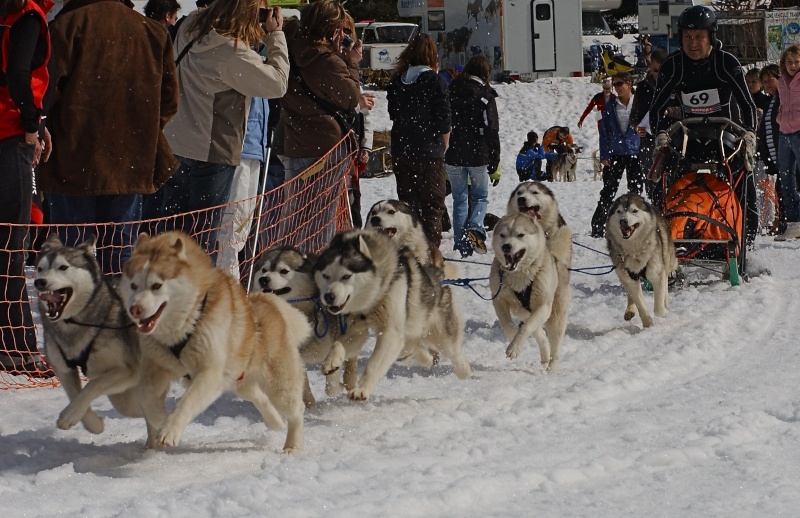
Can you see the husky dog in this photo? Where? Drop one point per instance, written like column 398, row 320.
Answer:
column 597, row 166
column 565, row 165
column 538, row 201
column 196, row 323
column 640, row 246
column 398, row 220
column 363, row 273
column 289, row 273
column 525, row 277
column 86, row 326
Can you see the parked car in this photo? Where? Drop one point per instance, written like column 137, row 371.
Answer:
column 382, row 44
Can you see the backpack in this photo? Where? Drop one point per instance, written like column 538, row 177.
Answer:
column 702, row 206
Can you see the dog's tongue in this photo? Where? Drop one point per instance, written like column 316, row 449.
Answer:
column 389, row 231
column 534, row 213
column 146, row 325
column 50, row 297
column 627, row 232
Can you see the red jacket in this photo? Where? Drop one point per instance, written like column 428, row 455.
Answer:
column 10, row 118
column 598, row 101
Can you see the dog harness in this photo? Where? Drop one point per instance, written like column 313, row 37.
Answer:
column 178, row 347
column 524, row 296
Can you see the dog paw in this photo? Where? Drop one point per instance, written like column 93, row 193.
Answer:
column 647, row 321
column 551, row 365
column 69, row 418
column 513, row 351
column 329, row 367
column 358, row 394
column 291, row 449
column 662, row 313
column 629, row 314
column 334, row 388
column 167, row 436
column 92, row 422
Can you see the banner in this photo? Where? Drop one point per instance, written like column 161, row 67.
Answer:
column 782, row 30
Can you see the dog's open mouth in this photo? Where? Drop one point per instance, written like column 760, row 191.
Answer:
column 512, row 261
column 338, row 308
column 146, row 325
column 56, row 301
column 532, row 211
column 389, row 231
column 627, row 232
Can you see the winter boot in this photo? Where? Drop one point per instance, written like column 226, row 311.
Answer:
column 792, row 231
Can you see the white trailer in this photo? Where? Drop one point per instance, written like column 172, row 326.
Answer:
column 526, row 39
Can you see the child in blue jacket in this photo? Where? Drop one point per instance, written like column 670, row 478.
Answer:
column 529, row 159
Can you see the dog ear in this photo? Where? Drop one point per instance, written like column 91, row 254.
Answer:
column 52, row 241
column 143, row 237
column 179, row 247
column 89, row 244
column 363, row 247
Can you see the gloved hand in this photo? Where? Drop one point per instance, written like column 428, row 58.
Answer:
column 749, row 139
column 662, row 141
column 494, row 176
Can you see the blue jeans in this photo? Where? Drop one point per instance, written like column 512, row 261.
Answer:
column 195, row 186
column 788, row 160
column 469, row 201
column 113, row 241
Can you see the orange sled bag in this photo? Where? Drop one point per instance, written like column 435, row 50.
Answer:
column 702, row 206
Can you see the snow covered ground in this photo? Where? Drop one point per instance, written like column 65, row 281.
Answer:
column 697, row 416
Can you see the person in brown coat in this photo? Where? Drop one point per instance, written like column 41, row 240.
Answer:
column 113, row 91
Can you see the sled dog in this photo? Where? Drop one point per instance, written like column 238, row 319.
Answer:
column 525, row 277
column 538, row 201
column 196, row 323
column 565, row 165
column 289, row 274
column 597, row 166
column 640, row 246
column 362, row 273
column 86, row 326
column 398, row 220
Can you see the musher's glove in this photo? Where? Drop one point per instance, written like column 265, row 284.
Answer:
column 661, row 143
column 494, row 176
column 749, row 150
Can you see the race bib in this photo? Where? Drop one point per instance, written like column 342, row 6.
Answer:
column 702, row 102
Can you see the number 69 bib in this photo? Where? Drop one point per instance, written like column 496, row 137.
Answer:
column 702, row 102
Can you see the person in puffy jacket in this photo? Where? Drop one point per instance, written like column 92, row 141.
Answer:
column 419, row 108
column 619, row 149
column 529, row 158
column 474, row 153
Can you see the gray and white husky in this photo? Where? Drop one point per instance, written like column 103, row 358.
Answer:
column 289, row 273
column 362, row 273
column 86, row 327
column 640, row 246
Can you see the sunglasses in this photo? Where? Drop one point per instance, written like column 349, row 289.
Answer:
column 619, row 83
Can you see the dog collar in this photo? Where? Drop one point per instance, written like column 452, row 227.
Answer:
column 178, row 347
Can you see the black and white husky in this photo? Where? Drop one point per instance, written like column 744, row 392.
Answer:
column 363, row 273
column 86, row 328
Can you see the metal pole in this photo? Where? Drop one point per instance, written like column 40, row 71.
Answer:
column 262, row 183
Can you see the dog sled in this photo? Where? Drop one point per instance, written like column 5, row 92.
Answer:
column 702, row 193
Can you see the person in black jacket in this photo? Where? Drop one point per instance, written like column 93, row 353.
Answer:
column 474, row 153
column 640, row 118
column 420, row 112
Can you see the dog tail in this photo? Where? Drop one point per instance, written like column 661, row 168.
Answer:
column 297, row 329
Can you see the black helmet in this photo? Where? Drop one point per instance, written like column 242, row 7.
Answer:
column 698, row 17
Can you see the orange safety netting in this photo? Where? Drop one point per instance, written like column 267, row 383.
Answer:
column 304, row 212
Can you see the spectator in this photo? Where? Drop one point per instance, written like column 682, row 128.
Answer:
column 768, row 139
column 619, row 147
column 789, row 139
column 328, row 86
column 219, row 73
column 529, row 159
column 420, row 112
column 25, row 52
column 163, row 11
column 640, row 118
column 598, row 101
column 753, row 80
column 474, row 153
column 105, row 158
column 555, row 140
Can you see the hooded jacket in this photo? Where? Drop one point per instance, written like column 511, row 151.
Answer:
column 216, row 81
column 475, row 140
column 310, row 130
column 420, row 112
column 113, row 89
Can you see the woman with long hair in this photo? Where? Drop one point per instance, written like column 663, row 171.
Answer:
column 218, row 72
column 420, row 111
column 474, row 153
column 25, row 53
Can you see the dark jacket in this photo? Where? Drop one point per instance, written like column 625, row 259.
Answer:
column 768, row 135
column 475, row 140
column 420, row 112
column 614, row 141
column 311, row 131
column 114, row 90
column 645, row 89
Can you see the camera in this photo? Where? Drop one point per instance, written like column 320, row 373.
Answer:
column 347, row 42
column 262, row 15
